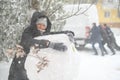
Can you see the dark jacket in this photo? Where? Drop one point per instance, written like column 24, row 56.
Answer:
column 105, row 34
column 31, row 31
column 95, row 34
column 17, row 70
column 110, row 34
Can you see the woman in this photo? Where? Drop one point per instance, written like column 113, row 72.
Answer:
column 39, row 25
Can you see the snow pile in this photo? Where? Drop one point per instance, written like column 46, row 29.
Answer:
column 4, row 70
column 61, row 65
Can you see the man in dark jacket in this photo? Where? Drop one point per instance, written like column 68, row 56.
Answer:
column 112, row 37
column 40, row 25
column 96, row 38
column 106, row 38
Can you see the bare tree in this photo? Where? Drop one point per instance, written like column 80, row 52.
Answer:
column 56, row 13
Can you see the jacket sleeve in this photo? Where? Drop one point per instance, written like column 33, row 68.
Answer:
column 27, row 41
column 109, row 31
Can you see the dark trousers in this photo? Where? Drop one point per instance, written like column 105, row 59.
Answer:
column 109, row 46
column 103, row 50
column 114, row 44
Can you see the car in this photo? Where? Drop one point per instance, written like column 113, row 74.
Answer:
column 78, row 23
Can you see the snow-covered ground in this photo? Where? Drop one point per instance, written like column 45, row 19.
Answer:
column 4, row 70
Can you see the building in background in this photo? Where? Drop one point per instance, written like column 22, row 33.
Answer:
column 108, row 12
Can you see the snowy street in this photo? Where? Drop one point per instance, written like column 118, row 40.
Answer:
column 99, row 68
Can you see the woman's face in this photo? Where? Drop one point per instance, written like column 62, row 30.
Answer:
column 41, row 27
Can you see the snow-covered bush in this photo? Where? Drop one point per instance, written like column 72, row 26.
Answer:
column 13, row 19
